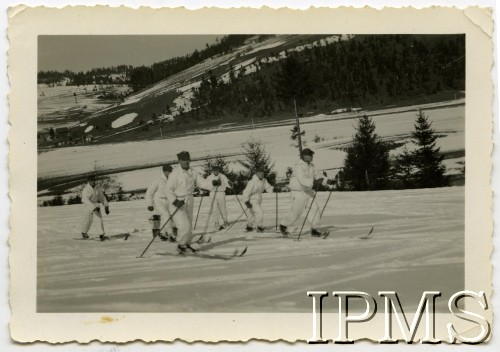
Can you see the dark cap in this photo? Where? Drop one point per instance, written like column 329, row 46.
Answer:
column 167, row 168
column 307, row 151
column 184, row 156
column 91, row 178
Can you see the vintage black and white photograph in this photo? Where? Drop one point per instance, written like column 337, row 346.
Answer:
column 227, row 173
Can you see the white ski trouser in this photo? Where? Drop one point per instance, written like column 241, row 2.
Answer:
column 161, row 208
column 87, row 220
column 255, row 214
column 183, row 220
column 219, row 209
column 301, row 201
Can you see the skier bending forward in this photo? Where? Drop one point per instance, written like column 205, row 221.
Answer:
column 92, row 195
column 180, row 187
column 302, row 185
column 252, row 196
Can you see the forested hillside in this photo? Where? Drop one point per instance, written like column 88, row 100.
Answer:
column 366, row 70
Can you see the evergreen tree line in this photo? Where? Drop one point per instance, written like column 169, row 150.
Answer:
column 366, row 70
column 367, row 165
column 94, row 76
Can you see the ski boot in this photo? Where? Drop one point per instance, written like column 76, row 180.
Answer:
column 316, row 233
column 186, row 249
column 284, row 231
column 85, row 236
column 260, row 229
column 182, row 249
column 103, row 237
column 249, row 228
column 221, row 227
column 193, row 250
column 163, row 237
column 156, row 232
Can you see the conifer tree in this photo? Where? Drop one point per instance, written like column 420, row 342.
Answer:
column 427, row 158
column 366, row 166
column 256, row 157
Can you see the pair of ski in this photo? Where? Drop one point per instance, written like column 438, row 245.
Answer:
column 201, row 253
column 123, row 236
column 325, row 235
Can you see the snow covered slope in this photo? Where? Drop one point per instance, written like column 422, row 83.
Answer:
column 418, row 244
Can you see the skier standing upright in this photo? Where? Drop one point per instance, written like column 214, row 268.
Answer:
column 219, row 184
column 180, row 187
column 303, row 182
column 92, row 196
column 157, row 201
column 252, row 196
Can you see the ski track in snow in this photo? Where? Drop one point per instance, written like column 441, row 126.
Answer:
column 418, row 244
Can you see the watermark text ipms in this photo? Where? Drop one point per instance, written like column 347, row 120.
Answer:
column 394, row 309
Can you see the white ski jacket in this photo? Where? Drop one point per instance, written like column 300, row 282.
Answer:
column 255, row 187
column 92, row 196
column 181, row 183
column 223, row 179
column 157, row 190
column 302, row 178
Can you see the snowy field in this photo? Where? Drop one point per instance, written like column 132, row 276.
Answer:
column 449, row 122
column 418, row 244
column 57, row 104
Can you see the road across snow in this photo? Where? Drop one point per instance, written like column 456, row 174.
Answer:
column 418, row 244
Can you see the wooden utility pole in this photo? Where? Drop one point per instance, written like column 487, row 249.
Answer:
column 299, row 136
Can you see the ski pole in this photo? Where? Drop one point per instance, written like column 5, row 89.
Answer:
column 327, row 199
column 276, row 210
column 170, row 218
column 102, row 221
column 329, row 195
column 209, row 215
column 198, row 213
column 234, row 222
column 239, row 202
column 312, row 202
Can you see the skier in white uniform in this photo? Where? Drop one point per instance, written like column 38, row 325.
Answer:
column 302, row 184
column 252, row 196
column 157, row 201
column 92, row 196
column 219, row 203
column 180, row 187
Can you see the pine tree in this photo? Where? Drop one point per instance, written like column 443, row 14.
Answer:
column 366, row 166
column 216, row 163
column 256, row 157
column 404, row 170
column 427, row 158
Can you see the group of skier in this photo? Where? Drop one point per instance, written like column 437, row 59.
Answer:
column 171, row 196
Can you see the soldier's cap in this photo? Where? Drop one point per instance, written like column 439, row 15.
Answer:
column 307, row 151
column 184, row 156
column 167, row 168
column 91, row 178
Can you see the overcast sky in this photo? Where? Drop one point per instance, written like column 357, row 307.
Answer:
column 83, row 52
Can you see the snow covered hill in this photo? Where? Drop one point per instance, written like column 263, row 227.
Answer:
column 418, row 244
